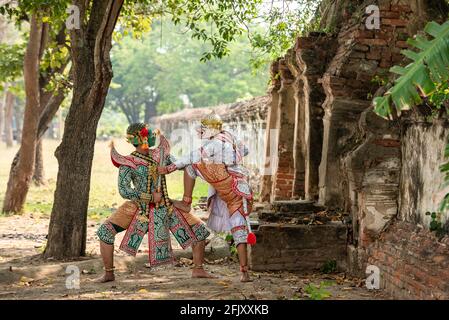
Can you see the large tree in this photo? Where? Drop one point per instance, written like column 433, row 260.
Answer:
column 20, row 178
column 45, row 57
column 92, row 74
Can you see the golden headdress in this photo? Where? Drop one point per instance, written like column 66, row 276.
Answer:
column 212, row 121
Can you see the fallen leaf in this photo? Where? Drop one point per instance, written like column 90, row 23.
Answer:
column 91, row 271
column 185, row 261
column 143, row 291
column 223, row 283
column 26, row 281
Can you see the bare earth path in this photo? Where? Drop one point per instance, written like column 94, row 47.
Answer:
column 25, row 275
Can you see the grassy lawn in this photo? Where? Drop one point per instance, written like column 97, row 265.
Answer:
column 104, row 196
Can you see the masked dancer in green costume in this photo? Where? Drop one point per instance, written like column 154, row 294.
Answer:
column 148, row 208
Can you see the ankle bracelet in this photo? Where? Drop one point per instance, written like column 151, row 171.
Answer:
column 200, row 267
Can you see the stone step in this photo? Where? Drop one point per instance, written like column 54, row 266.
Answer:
column 298, row 206
column 299, row 247
column 275, row 216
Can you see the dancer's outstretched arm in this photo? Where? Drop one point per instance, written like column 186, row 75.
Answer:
column 195, row 156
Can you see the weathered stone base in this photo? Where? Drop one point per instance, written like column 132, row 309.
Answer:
column 413, row 263
column 356, row 261
column 299, row 247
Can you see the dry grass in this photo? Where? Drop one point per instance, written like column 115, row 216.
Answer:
column 104, row 196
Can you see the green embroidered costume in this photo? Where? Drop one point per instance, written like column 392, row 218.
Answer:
column 138, row 180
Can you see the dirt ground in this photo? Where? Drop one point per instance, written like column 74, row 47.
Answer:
column 24, row 274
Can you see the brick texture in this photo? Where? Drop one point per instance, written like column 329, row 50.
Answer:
column 412, row 262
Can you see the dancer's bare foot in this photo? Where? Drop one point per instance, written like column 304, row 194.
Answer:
column 244, row 275
column 181, row 205
column 199, row 272
column 107, row 277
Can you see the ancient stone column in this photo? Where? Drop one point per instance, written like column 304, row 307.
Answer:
column 285, row 174
column 271, row 135
column 313, row 54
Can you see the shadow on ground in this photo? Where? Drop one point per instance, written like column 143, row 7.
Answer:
column 24, row 274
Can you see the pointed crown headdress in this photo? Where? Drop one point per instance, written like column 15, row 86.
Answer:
column 212, row 121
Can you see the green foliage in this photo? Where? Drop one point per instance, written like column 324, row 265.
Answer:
column 317, row 292
column 53, row 65
column 282, row 26
column 421, row 78
column 135, row 20
column 445, row 170
column 379, row 80
column 424, row 80
column 11, row 62
column 230, row 240
column 161, row 72
column 330, row 266
column 50, row 11
column 435, row 224
column 440, row 96
column 56, row 54
column 444, row 205
column 217, row 22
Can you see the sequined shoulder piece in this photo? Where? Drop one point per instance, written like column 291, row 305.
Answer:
column 120, row 160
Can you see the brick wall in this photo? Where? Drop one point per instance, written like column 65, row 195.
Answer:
column 299, row 247
column 361, row 170
column 413, row 263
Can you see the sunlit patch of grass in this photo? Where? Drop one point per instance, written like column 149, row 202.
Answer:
column 40, row 199
column 176, row 188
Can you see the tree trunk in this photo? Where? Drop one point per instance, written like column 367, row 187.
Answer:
column 150, row 110
column 18, row 119
column 2, row 116
column 39, row 172
column 44, row 122
column 92, row 74
column 9, row 107
column 20, row 178
column 52, row 104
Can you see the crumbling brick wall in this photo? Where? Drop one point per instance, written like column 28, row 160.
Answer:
column 297, row 114
column 367, row 166
column 413, row 263
column 412, row 260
